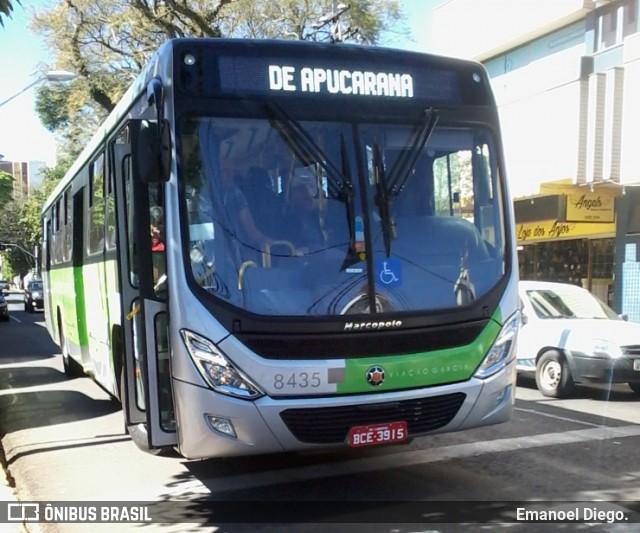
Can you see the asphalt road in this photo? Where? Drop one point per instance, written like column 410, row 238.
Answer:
column 64, row 441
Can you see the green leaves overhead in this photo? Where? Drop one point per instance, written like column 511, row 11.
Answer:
column 108, row 42
column 6, row 187
column 6, row 7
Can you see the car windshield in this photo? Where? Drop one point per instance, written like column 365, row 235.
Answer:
column 568, row 302
column 307, row 217
column 35, row 286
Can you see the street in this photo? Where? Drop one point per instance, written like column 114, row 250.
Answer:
column 64, row 441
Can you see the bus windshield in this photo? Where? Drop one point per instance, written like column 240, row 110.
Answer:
column 304, row 217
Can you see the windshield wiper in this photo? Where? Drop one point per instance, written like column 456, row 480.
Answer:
column 382, row 199
column 388, row 189
column 402, row 167
column 348, row 196
column 307, row 150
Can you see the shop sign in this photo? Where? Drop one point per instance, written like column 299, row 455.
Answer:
column 590, row 207
column 552, row 230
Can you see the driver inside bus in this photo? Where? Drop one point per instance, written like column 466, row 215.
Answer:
column 240, row 217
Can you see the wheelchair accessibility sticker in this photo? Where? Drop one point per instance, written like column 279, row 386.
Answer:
column 389, row 271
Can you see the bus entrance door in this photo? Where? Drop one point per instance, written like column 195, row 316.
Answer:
column 145, row 383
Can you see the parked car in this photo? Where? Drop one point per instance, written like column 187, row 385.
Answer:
column 4, row 308
column 569, row 336
column 33, row 298
column 4, row 285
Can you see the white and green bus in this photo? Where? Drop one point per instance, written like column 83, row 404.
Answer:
column 273, row 246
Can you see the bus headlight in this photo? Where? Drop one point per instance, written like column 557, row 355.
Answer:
column 217, row 370
column 503, row 350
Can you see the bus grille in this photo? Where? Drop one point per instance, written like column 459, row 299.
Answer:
column 330, row 425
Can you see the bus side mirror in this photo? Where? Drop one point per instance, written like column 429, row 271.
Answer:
column 151, row 150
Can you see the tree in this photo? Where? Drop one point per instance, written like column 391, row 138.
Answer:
column 297, row 19
column 6, row 7
column 20, row 221
column 6, row 187
column 108, row 42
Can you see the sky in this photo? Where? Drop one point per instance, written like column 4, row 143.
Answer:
column 23, row 59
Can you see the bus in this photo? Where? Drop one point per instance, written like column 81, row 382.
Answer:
column 276, row 246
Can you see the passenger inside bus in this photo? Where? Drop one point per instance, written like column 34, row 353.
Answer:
column 240, row 218
column 156, row 219
column 157, row 229
column 262, row 200
column 301, row 223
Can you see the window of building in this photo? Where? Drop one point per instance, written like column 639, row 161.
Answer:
column 630, row 17
column 615, row 22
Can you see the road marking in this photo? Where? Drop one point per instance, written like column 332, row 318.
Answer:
column 400, row 460
column 557, row 417
column 14, row 318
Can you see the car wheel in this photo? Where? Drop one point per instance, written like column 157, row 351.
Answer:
column 553, row 377
column 635, row 387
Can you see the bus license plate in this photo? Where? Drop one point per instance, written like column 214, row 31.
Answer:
column 636, row 364
column 378, row 434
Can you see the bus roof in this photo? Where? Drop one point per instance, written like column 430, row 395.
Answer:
column 160, row 64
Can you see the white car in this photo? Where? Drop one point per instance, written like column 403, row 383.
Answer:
column 569, row 336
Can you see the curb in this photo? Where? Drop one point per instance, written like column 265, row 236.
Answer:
column 8, row 495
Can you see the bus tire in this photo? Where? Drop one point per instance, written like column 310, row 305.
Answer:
column 553, row 377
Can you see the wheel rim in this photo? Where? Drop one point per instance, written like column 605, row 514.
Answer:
column 551, row 374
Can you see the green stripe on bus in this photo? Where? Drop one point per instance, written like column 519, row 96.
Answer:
column 421, row 369
column 67, row 295
column 78, row 280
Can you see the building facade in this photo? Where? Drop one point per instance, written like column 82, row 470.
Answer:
column 565, row 74
column 27, row 175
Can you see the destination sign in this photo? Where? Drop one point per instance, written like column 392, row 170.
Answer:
column 335, row 81
column 337, row 78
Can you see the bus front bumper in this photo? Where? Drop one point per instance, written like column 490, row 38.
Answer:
column 271, row 425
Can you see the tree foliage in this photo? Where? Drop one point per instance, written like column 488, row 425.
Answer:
column 299, row 19
column 108, row 42
column 6, row 187
column 6, row 7
column 20, row 220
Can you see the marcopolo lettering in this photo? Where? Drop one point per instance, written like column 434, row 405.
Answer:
column 337, row 81
column 358, row 326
